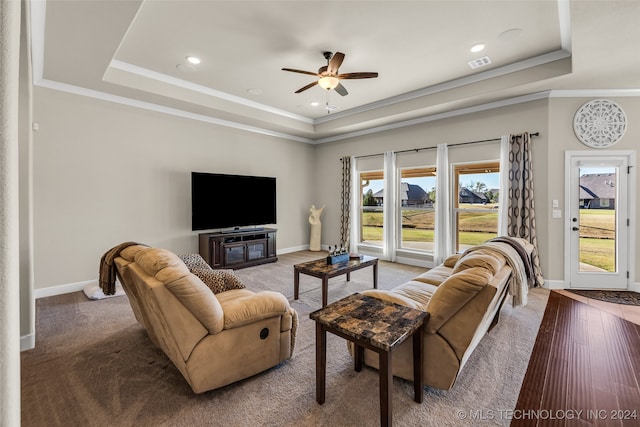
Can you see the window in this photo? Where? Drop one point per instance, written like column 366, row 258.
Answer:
column 399, row 222
column 371, row 207
column 416, row 198
column 475, row 218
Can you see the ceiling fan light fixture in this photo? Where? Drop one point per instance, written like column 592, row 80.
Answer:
column 328, row 77
column 328, row 82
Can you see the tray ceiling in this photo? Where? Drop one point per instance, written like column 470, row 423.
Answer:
column 135, row 52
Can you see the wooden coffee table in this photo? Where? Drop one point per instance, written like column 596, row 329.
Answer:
column 320, row 268
column 377, row 325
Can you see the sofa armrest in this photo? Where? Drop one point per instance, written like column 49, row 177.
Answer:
column 391, row 296
column 252, row 307
column 453, row 294
column 196, row 297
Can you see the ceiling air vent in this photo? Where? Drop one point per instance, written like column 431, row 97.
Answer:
column 480, row 62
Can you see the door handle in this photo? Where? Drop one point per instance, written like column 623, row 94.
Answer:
column 575, row 228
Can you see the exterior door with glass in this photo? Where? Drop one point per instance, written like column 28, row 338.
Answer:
column 598, row 221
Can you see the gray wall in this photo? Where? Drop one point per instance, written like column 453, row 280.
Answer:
column 106, row 173
column 553, row 118
column 561, row 113
column 530, row 116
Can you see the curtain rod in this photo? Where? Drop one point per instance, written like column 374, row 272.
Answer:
column 532, row 134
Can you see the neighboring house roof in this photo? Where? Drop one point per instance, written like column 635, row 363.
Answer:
column 410, row 192
column 598, row 186
column 586, row 194
column 465, row 192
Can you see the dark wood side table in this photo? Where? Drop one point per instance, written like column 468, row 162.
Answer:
column 379, row 326
column 319, row 268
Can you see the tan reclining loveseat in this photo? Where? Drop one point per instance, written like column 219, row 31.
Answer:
column 213, row 339
column 463, row 296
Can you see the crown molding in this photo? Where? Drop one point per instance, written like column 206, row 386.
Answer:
column 439, row 116
column 475, row 78
column 594, row 93
column 564, row 17
column 38, row 21
column 584, row 93
column 76, row 90
column 38, row 13
column 452, row 84
column 174, row 81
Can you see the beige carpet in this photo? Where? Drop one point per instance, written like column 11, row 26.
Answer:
column 93, row 365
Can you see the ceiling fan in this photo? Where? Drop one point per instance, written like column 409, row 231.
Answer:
column 328, row 77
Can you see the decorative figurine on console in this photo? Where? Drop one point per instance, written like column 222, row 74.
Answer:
column 337, row 255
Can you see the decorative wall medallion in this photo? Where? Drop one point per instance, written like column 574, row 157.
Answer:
column 600, row 123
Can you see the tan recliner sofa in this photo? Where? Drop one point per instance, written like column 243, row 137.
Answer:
column 213, row 339
column 463, row 296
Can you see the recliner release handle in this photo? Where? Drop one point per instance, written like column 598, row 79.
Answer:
column 264, row 333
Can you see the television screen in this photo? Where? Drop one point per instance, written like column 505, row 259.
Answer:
column 221, row 201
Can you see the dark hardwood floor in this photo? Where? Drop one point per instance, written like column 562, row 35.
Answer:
column 584, row 369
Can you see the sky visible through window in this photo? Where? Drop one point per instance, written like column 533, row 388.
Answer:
column 491, row 180
column 589, row 171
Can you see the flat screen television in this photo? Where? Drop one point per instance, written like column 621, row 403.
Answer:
column 223, row 201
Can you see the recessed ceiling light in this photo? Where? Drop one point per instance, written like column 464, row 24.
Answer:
column 314, row 103
column 477, row 48
column 193, row 60
column 254, row 91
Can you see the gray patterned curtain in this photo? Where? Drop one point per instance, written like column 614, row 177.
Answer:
column 521, row 221
column 345, row 200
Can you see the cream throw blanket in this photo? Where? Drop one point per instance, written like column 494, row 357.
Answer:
column 518, row 284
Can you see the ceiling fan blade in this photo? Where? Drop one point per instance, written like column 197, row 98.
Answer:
column 357, row 76
column 300, row 71
column 335, row 62
column 310, row 85
column 341, row 90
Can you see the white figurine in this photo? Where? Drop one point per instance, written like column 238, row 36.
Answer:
column 316, row 228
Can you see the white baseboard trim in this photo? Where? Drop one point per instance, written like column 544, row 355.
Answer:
column 554, row 284
column 292, row 249
column 28, row 342
column 61, row 289
column 414, row 262
column 561, row 284
column 78, row 286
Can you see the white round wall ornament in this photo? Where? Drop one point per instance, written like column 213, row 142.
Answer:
column 600, row 123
